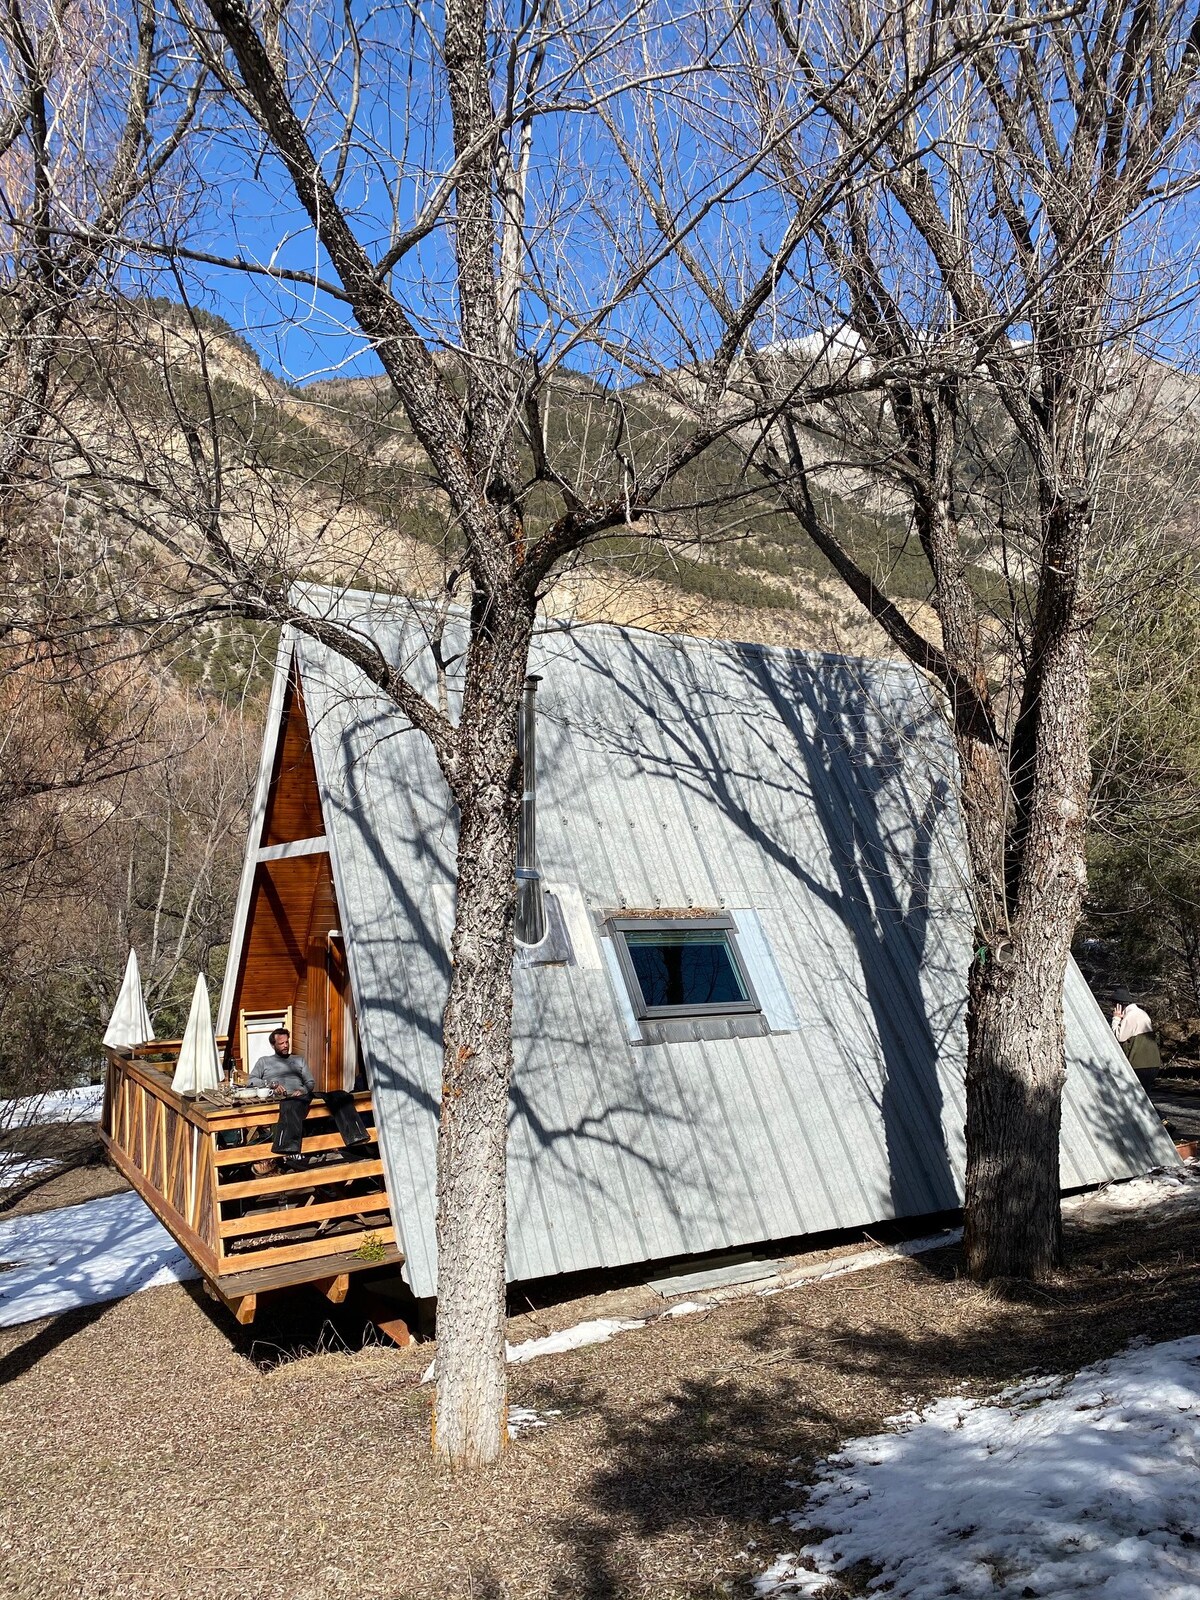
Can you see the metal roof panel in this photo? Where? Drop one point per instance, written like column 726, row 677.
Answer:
column 818, row 791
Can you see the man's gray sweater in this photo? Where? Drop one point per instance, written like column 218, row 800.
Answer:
column 291, row 1071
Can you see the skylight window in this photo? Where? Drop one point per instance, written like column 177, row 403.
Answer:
column 682, row 967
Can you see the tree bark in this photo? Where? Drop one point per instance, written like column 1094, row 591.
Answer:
column 1015, row 1075
column 470, row 1415
column 1016, row 1060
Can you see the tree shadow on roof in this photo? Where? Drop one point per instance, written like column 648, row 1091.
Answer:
column 863, row 755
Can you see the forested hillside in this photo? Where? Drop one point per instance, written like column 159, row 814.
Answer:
column 128, row 759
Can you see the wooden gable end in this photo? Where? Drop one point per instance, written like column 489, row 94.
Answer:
column 291, row 952
column 294, row 799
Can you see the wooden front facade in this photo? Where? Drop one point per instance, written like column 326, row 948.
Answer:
column 293, row 959
column 191, row 1161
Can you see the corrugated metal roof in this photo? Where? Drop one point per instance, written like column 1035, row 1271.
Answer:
column 814, row 791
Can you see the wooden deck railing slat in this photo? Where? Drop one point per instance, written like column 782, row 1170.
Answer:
column 238, row 1155
column 291, row 1217
column 313, row 1249
column 312, row 1178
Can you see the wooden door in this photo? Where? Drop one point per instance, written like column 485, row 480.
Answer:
column 337, row 1017
column 329, row 1037
column 316, row 1032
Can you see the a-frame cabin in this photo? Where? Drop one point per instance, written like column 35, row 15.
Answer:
column 783, row 824
column 193, row 1159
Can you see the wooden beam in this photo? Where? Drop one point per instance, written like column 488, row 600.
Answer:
column 287, row 1275
column 396, row 1329
column 238, row 1155
column 313, row 1178
column 342, row 1243
column 294, row 847
column 243, row 1306
column 335, row 1289
column 367, row 1205
column 383, row 1315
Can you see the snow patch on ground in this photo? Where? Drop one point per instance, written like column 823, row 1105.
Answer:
column 56, row 1105
column 15, row 1168
column 81, row 1255
column 598, row 1331
column 522, row 1418
column 1084, row 1488
column 1174, row 1186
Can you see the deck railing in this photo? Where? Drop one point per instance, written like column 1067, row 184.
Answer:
column 192, row 1161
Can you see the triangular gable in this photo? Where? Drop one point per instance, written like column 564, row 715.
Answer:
column 272, row 734
column 286, row 955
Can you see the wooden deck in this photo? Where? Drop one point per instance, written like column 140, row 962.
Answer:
column 191, row 1161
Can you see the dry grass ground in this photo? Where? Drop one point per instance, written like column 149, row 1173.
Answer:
column 149, row 1450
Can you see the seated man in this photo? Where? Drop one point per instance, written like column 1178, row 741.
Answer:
column 288, row 1077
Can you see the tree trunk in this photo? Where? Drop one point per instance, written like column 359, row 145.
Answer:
column 32, row 350
column 470, row 1424
column 1015, row 1074
column 1016, row 1059
column 471, row 1417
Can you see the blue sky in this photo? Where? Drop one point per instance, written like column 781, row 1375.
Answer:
column 247, row 208
column 577, row 182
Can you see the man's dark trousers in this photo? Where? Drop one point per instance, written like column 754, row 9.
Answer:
column 290, row 1130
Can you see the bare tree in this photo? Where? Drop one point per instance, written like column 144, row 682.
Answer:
column 460, row 234
column 123, row 802
column 974, row 328
column 95, row 103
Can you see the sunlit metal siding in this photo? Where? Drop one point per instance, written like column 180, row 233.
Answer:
column 815, row 789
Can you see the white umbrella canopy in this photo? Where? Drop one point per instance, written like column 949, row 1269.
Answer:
column 198, row 1067
column 129, row 1024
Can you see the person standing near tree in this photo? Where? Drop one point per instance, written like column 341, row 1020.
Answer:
column 1134, row 1032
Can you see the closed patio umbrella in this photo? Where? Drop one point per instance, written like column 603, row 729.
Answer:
column 129, row 1024
column 198, row 1067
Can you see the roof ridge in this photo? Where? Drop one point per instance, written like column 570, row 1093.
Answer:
column 565, row 625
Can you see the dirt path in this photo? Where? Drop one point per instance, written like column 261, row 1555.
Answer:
column 146, row 1456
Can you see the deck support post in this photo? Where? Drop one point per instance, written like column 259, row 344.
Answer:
column 243, row 1306
column 334, row 1289
column 382, row 1312
column 395, row 1328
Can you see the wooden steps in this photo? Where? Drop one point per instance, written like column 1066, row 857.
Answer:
column 238, row 1155
column 364, row 1247
column 268, row 1221
column 317, row 1224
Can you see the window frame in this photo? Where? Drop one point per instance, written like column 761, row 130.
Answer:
column 620, row 925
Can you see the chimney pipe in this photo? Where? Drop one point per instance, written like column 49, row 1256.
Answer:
column 531, row 909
